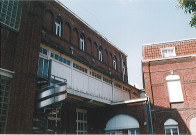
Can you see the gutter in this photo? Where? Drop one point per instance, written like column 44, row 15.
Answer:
column 130, row 101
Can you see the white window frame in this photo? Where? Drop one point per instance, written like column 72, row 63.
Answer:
column 167, row 54
column 171, row 124
column 114, row 63
column 83, row 122
column 174, row 88
column 100, row 54
column 82, row 42
column 58, row 27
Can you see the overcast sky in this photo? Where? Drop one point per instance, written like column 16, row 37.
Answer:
column 129, row 24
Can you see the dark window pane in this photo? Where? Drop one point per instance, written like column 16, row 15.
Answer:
column 40, row 67
column 56, row 57
column 45, row 51
column 52, row 55
column 45, row 73
column 60, row 59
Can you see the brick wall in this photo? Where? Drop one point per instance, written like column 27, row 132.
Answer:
column 154, row 78
column 20, row 54
column 72, row 28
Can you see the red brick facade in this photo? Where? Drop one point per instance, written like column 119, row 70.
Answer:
column 20, row 54
column 155, row 69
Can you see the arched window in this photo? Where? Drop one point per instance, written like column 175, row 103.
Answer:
column 82, row 42
column 122, row 124
column 174, row 88
column 100, row 54
column 58, row 27
column 171, row 127
column 114, row 62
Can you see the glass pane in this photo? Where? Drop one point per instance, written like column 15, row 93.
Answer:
column 52, row 55
column 45, row 51
column 45, row 72
column 175, row 131
column 164, row 53
column 60, row 59
column 56, row 57
column 168, row 131
column 40, row 67
column 64, row 61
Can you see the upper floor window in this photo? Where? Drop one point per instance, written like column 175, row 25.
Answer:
column 171, row 127
column 123, row 71
column 43, row 51
column 82, row 42
column 168, row 52
column 114, row 63
column 10, row 13
column 100, row 54
column 58, row 27
column 174, row 88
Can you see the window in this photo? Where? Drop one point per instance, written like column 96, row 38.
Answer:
column 168, row 52
column 81, row 121
column 58, row 27
column 76, row 66
column 171, row 127
column 117, row 125
column 82, row 42
column 107, row 80
column 114, row 63
column 10, row 13
column 43, row 68
column 60, row 59
column 43, row 51
column 5, row 87
column 174, row 88
column 100, row 54
column 123, row 71
column 96, row 75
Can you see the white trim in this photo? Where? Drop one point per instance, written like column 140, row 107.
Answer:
column 7, row 73
column 169, row 58
column 172, row 77
column 169, row 42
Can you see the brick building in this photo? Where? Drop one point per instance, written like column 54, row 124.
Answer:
column 169, row 77
column 59, row 75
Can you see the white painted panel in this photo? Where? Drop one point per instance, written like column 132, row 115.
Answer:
column 107, row 91
column 122, row 121
column 95, row 87
column 62, row 71
column 79, row 81
column 170, row 122
column 193, row 126
column 120, row 95
column 175, row 91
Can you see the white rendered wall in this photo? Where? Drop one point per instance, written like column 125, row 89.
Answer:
column 87, row 84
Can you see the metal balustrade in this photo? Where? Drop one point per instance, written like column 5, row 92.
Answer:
column 50, row 95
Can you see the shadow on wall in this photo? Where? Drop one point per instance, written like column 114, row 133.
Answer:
column 165, row 120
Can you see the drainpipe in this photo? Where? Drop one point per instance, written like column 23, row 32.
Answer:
column 151, row 83
column 147, row 116
column 112, row 90
column 150, row 115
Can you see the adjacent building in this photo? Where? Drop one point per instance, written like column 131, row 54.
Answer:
column 59, row 75
column 169, row 77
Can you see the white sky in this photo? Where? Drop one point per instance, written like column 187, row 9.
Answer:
column 129, row 24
